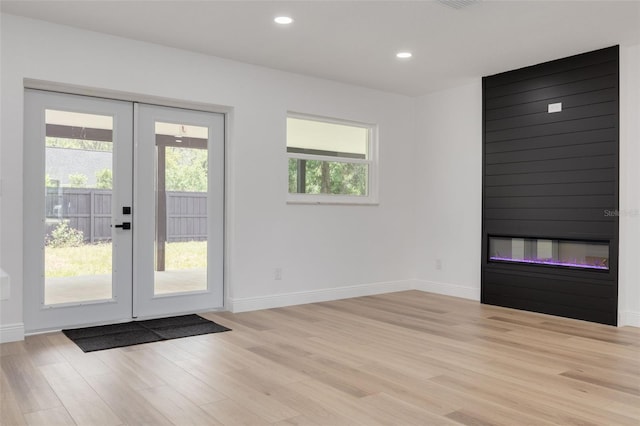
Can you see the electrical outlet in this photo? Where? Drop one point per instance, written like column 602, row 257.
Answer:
column 438, row 264
column 277, row 274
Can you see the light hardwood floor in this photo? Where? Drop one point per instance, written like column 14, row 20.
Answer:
column 397, row 359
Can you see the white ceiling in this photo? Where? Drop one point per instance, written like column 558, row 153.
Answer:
column 355, row 41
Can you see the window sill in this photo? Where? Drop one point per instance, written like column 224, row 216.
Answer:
column 332, row 200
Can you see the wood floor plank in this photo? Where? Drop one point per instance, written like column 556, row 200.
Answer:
column 12, row 348
column 201, row 350
column 5, row 387
column 401, row 412
column 417, row 391
column 243, row 359
column 297, row 421
column 546, row 409
column 323, row 374
column 381, row 304
column 601, row 348
column 619, row 382
column 25, row 381
column 308, row 407
column 250, row 320
column 342, row 404
column 394, row 359
column 564, row 352
column 134, row 375
column 351, row 355
column 177, row 408
column 130, row 405
column 253, row 400
column 549, row 390
column 469, row 419
column 80, row 400
column 487, row 414
column 585, row 397
column 87, row 364
column 231, row 413
column 51, row 417
column 258, row 379
column 190, row 386
column 41, row 351
column 10, row 412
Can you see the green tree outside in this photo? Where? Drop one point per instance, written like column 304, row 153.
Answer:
column 186, row 169
column 330, row 177
column 104, row 179
column 77, row 180
column 79, row 144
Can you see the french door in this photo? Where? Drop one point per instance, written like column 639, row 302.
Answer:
column 123, row 210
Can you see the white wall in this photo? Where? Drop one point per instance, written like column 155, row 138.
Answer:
column 326, row 252
column 629, row 269
column 449, row 203
column 449, row 192
column 430, row 172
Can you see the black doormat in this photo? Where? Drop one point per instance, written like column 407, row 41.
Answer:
column 102, row 337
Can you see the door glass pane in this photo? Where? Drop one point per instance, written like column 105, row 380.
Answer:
column 78, row 189
column 181, row 208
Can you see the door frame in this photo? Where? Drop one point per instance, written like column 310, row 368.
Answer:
column 228, row 199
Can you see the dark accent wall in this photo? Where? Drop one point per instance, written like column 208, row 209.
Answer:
column 553, row 175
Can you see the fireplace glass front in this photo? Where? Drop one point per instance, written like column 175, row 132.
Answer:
column 564, row 253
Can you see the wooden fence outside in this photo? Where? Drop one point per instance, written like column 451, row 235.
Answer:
column 89, row 210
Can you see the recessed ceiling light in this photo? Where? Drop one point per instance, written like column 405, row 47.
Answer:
column 283, row 20
column 403, row 55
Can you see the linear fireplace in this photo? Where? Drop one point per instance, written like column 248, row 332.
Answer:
column 550, row 252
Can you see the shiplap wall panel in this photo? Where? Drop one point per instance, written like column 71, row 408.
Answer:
column 528, row 201
column 553, row 175
column 550, row 190
column 551, row 141
column 568, row 101
column 567, row 229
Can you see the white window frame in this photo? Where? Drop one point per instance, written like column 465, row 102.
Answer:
column 372, row 161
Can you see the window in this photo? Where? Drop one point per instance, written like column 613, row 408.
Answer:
column 330, row 161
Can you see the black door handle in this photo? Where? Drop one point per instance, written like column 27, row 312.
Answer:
column 124, row 225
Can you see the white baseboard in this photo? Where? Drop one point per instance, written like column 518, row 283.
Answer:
column 447, row 289
column 15, row 332
column 313, row 296
column 11, row 332
column 631, row 318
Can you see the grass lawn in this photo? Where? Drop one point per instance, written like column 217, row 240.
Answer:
column 95, row 259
